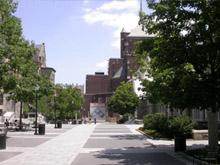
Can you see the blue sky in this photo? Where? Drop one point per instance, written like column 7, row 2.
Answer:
column 80, row 35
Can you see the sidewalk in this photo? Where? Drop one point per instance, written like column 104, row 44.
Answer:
column 97, row 144
column 122, row 144
column 61, row 150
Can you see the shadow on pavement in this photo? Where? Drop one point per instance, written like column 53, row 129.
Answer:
column 127, row 156
column 148, row 158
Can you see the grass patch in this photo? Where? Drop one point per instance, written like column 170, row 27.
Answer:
column 151, row 133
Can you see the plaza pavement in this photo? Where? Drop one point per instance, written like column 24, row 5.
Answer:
column 99, row 144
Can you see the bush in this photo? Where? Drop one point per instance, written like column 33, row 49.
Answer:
column 158, row 122
column 181, row 126
column 159, row 125
column 124, row 118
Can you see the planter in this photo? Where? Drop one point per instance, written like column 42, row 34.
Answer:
column 179, row 143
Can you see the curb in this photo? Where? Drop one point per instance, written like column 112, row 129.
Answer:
column 150, row 137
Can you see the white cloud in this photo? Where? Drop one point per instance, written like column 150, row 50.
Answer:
column 119, row 5
column 85, row 1
column 87, row 10
column 116, row 14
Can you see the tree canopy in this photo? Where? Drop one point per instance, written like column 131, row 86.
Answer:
column 68, row 100
column 18, row 71
column 184, row 56
column 124, row 100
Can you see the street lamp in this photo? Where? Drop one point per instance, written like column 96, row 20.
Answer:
column 72, row 109
column 55, row 118
column 36, row 89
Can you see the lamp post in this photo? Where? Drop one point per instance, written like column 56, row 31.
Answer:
column 72, row 109
column 55, row 117
column 36, row 89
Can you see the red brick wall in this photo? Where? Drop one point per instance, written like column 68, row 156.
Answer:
column 97, row 84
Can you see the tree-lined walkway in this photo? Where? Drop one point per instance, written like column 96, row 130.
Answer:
column 98, row 144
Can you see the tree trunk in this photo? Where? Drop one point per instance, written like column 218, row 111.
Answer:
column 20, row 118
column 213, row 132
column 76, row 116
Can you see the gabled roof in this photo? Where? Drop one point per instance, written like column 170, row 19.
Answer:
column 138, row 31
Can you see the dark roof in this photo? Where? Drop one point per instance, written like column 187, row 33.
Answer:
column 48, row 68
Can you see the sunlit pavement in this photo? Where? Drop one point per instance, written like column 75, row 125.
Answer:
column 21, row 144
column 98, row 144
column 121, row 144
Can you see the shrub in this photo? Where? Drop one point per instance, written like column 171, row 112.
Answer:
column 124, row 118
column 158, row 122
column 158, row 125
column 181, row 125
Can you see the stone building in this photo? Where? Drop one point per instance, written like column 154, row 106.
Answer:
column 40, row 60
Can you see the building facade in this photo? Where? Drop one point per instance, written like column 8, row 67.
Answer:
column 97, row 91
column 100, row 87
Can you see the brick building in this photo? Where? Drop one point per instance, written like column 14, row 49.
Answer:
column 100, row 87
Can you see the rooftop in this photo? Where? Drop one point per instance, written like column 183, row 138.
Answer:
column 138, row 31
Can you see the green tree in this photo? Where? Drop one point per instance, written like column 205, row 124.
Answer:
column 69, row 101
column 25, row 82
column 11, row 44
column 45, row 95
column 19, row 75
column 18, row 71
column 124, row 100
column 183, row 60
column 75, row 101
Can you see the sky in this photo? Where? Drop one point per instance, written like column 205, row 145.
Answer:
column 79, row 35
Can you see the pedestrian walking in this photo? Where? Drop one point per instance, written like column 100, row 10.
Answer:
column 94, row 120
column 6, row 123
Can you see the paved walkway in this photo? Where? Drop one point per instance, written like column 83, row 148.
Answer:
column 99, row 144
column 122, row 144
column 61, row 150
